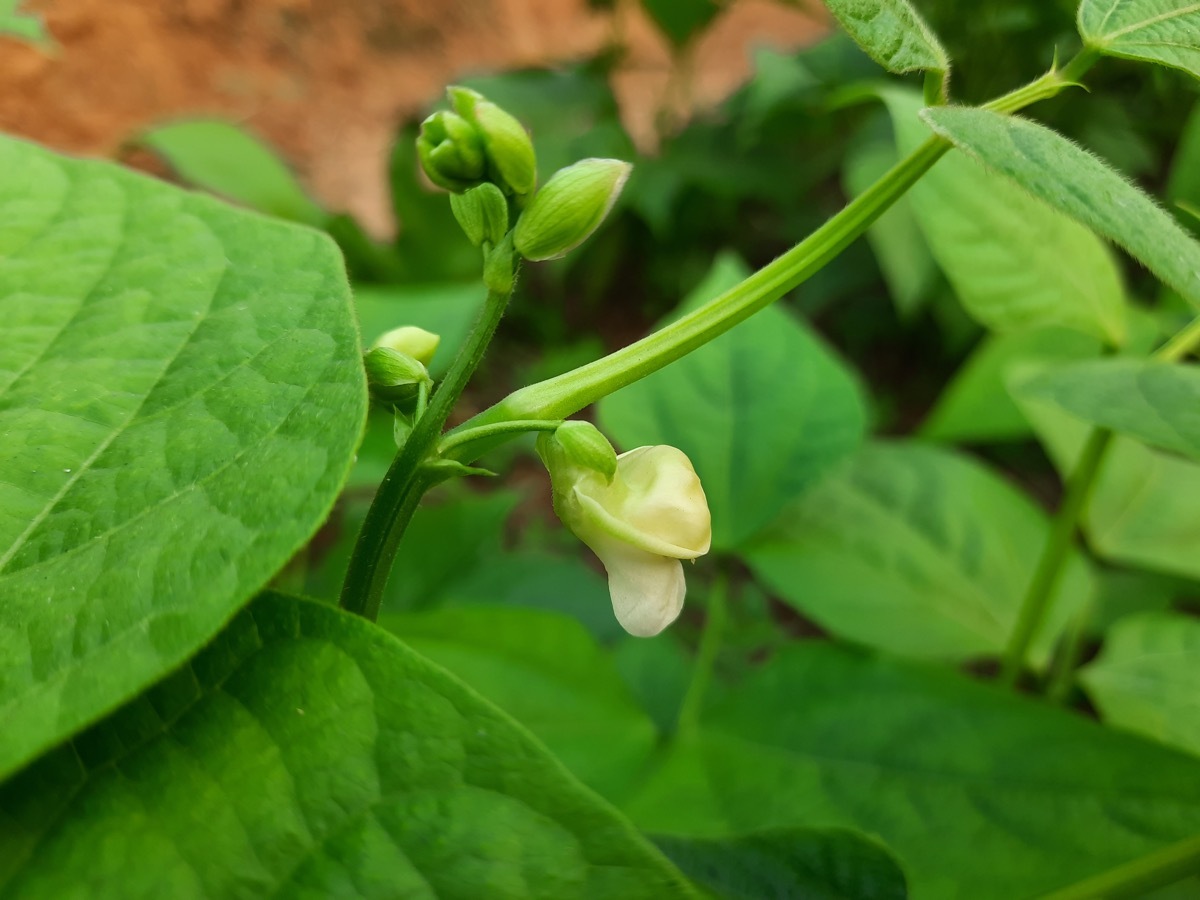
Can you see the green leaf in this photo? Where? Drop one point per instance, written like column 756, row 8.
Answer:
column 222, row 158
column 546, row 672
column 308, row 753
column 892, row 33
column 815, row 864
column 979, row 792
column 448, row 310
column 975, row 405
column 1156, row 402
column 23, row 26
column 681, row 20
column 762, row 412
column 1074, row 181
column 1014, row 262
column 1147, row 678
column 1160, row 31
column 896, row 240
column 916, row 550
column 1145, row 507
column 181, row 393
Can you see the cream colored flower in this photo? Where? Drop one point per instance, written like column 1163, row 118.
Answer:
column 652, row 514
column 411, row 341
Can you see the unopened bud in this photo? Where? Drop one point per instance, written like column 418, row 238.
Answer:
column 511, row 162
column 569, row 207
column 483, row 214
column 411, row 341
column 393, row 375
column 451, row 151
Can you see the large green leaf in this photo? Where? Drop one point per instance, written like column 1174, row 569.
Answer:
column 979, row 792
column 181, row 393
column 1015, row 262
column 833, row 864
column 551, row 676
column 762, row 412
column 892, row 33
column 308, row 753
column 1145, row 507
column 1147, row 678
column 1156, row 402
column 1074, row 181
column 916, row 550
column 975, row 405
column 222, row 158
column 1161, row 31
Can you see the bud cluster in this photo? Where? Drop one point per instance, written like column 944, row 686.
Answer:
column 485, row 158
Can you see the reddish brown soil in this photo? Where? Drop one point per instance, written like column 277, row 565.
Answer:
column 327, row 80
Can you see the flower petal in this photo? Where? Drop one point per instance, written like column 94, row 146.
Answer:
column 647, row 590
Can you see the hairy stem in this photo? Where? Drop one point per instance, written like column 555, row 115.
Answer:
column 402, row 486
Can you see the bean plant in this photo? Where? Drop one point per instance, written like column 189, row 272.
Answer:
column 184, row 387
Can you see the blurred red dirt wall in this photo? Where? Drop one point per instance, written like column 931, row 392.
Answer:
column 326, row 81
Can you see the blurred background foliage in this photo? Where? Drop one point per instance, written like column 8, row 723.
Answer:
column 875, row 473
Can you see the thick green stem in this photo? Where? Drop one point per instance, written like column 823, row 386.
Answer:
column 402, row 486
column 1052, row 562
column 706, row 656
column 1138, row 878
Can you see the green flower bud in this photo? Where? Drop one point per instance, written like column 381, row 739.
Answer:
column 511, row 162
column 451, row 151
column 393, row 375
column 569, row 207
column 483, row 214
column 584, row 445
column 411, row 341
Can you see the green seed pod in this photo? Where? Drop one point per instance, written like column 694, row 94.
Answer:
column 483, row 214
column 569, row 207
column 511, row 162
column 451, row 151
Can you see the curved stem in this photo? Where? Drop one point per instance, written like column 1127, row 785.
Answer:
column 401, row 488
column 1138, row 878
column 557, row 398
column 483, row 432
